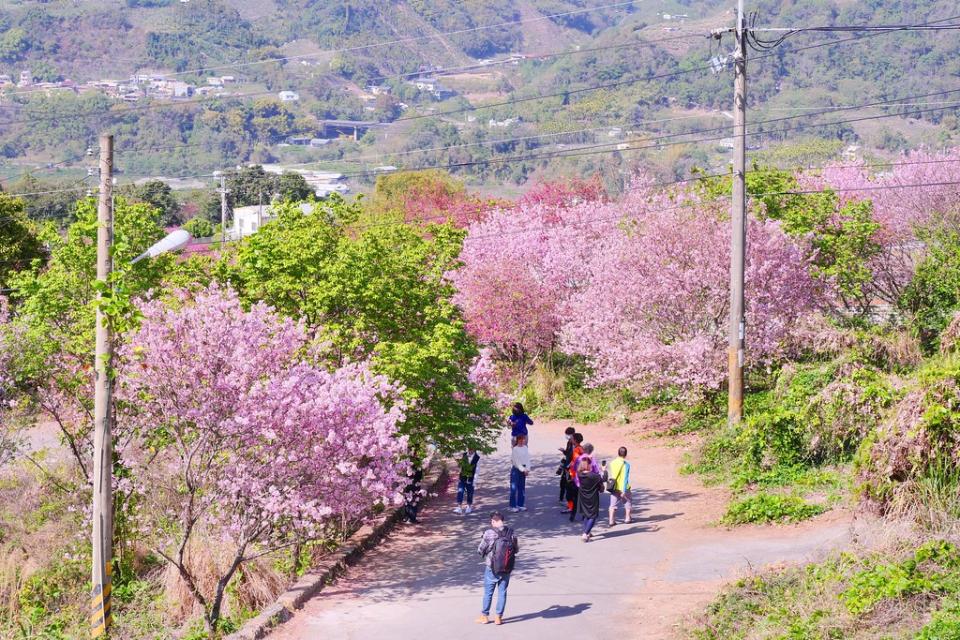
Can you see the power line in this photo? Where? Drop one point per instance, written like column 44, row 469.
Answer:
column 437, row 73
column 404, row 40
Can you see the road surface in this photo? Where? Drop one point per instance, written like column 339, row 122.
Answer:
column 631, row 581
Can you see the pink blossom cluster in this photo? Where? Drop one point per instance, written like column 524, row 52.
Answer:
column 236, row 428
column 907, row 197
column 640, row 286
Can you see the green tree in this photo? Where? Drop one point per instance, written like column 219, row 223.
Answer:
column 933, row 294
column 157, row 194
column 199, row 227
column 48, row 200
column 57, row 307
column 293, row 187
column 380, row 293
column 14, row 45
column 19, row 244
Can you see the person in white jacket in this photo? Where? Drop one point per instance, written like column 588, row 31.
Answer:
column 518, row 475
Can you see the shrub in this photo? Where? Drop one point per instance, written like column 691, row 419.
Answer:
column 766, row 507
column 916, row 442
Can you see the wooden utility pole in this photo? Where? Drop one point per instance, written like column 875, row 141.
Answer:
column 738, row 220
column 100, row 614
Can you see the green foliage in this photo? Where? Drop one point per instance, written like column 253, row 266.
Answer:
column 944, row 624
column 14, row 44
column 934, row 291
column 157, row 194
column 558, row 389
column 839, row 598
column 380, row 293
column 199, row 227
column 767, row 507
column 19, row 242
column 934, row 569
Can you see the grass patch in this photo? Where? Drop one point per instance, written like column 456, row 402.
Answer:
column 763, row 508
column 867, row 597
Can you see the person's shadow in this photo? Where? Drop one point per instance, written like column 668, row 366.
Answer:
column 553, row 611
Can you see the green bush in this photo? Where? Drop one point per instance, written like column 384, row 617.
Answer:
column 912, row 456
column 933, row 568
column 934, row 292
column 766, row 507
column 840, row 598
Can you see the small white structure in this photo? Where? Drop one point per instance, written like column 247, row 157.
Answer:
column 288, row 96
column 26, row 78
column 248, row 220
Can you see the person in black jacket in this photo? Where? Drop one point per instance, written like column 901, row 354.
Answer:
column 468, row 471
column 588, row 501
column 412, row 496
column 567, row 455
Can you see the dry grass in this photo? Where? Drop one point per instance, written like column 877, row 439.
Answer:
column 257, row 583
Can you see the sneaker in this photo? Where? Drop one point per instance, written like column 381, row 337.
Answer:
column 482, row 619
column 468, row 510
column 566, row 511
column 521, row 508
column 514, row 509
column 498, row 620
column 585, row 538
column 457, row 510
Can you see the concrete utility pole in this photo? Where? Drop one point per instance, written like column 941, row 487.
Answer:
column 100, row 614
column 738, row 220
column 223, row 191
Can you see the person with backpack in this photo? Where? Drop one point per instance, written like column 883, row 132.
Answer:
column 618, row 486
column 468, row 472
column 519, row 420
column 588, row 502
column 520, row 457
column 498, row 548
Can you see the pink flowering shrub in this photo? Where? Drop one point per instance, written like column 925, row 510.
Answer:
column 234, row 433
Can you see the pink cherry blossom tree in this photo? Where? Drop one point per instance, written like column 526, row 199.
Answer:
column 655, row 310
column 907, row 197
column 638, row 286
column 237, row 435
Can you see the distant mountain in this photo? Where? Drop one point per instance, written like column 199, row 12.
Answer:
column 360, row 60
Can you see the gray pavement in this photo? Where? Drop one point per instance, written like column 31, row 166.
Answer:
column 425, row 581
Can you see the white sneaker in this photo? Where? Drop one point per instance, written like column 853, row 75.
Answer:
column 468, row 510
column 514, row 509
column 521, row 508
column 458, row 510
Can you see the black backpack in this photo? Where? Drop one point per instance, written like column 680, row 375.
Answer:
column 504, row 553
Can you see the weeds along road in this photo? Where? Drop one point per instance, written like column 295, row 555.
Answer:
column 635, row 581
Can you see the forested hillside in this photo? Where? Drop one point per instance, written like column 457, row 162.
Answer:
column 499, row 91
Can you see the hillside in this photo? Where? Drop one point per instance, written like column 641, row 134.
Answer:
column 211, row 72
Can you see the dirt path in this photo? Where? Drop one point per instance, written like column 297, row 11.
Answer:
column 636, row 580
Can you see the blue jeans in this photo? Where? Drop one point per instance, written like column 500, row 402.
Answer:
column 588, row 525
column 490, row 582
column 518, row 488
column 465, row 486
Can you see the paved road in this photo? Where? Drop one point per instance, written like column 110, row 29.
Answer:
column 631, row 581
